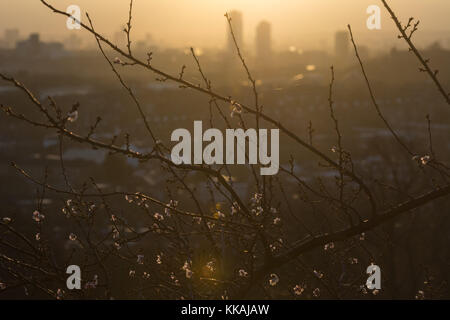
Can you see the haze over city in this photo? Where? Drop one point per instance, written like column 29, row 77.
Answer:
column 182, row 23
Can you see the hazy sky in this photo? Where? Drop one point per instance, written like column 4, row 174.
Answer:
column 201, row 22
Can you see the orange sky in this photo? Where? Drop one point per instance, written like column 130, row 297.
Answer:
column 309, row 23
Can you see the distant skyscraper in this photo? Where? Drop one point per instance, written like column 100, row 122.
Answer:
column 236, row 22
column 11, row 37
column 34, row 42
column 263, row 41
column 341, row 45
column 33, row 45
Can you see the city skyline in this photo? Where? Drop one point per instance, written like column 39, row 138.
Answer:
column 185, row 26
column 262, row 46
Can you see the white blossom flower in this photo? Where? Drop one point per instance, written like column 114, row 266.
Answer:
column 37, row 216
column 243, row 273
column 236, row 110
column 72, row 116
column 197, row 220
column 167, row 212
column 235, row 208
column 186, row 265
column 38, row 236
column 420, row 295
column 257, row 211
column 65, row 212
column 146, row 275
column 72, row 237
column 159, row 258
column 298, row 290
column 318, row 274
column 210, row 266
column 6, row 220
column 115, row 232
column 329, row 246
column 220, row 215
column 274, row 279
column 59, row 294
column 131, row 273
column 225, row 295
column 158, row 217
column 425, row 160
column 2, row 286
column 276, row 221
column 171, row 205
column 316, row 292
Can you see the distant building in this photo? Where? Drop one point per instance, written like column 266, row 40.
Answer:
column 34, row 47
column 341, row 45
column 238, row 30
column 147, row 44
column 32, row 44
column 11, row 37
column 120, row 38
column 263, row 42
column 73, row 42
